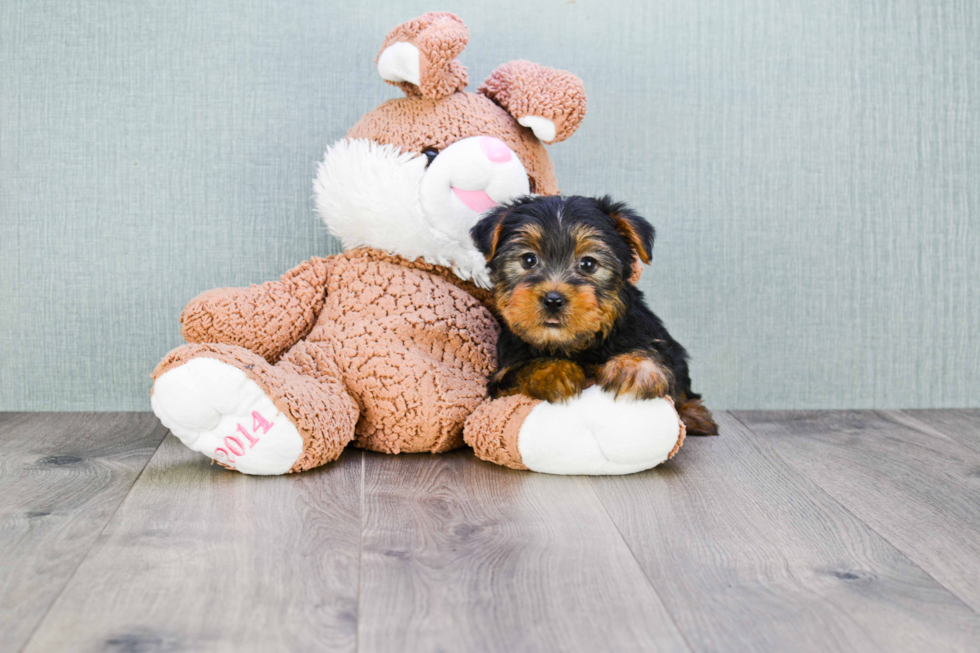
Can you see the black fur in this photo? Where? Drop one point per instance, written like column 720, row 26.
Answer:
column 636, row 328
column 639, row 328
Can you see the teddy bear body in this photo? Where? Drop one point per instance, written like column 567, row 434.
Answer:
column 388, row 346
column 394, row 359
column 414, row 345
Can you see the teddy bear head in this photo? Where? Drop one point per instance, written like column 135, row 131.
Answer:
column 414, row 175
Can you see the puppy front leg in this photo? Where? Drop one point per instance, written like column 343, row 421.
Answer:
column 636, row 374
column 548, row 379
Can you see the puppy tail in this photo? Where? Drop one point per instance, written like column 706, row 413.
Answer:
column 696, row 417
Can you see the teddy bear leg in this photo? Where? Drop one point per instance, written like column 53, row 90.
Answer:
column 593, row 433
column 233, row 406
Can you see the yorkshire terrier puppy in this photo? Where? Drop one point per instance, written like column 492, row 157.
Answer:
column 561, row 268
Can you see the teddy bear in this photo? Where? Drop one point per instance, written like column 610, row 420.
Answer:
column 388, row 345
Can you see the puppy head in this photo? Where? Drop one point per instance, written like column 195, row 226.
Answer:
column 560, row 266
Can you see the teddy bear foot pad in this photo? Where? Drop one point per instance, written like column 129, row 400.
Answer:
column 215, row 409
column 596, row 434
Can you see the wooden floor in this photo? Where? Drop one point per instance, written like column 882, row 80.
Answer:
column 793, row 531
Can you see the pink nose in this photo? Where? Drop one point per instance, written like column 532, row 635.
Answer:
column 495, row 149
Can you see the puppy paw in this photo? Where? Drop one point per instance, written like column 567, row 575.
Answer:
column 636, row 375
column 551, row 380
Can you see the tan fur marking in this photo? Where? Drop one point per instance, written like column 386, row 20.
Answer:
column 532, row 235
column 582, row 321
column 586, row 241
column 624, row 227
column 638, row 375
column 554, row 380
column 498, row 228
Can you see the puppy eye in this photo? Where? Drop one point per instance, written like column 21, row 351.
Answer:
column 588, row 265
column 528, row 261
column 430, row 155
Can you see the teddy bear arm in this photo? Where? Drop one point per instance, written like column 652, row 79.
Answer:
column 492, row 429
column 589, row 434
column 267, row 319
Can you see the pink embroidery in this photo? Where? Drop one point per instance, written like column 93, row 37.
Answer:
column 258, row 422
column 251, row 440
column 235, row 446
column 240, row 451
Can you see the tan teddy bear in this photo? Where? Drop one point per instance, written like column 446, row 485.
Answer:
column 388, row 346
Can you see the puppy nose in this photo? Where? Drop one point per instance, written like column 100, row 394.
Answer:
column 495, row 149
column 553, row 301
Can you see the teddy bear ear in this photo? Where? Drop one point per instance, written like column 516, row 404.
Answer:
column 549, row 102
column 419, row 56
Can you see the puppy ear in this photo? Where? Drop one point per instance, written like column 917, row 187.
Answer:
column 486, row 233
column 549, row 102
column 419, row 56
column 631, row 226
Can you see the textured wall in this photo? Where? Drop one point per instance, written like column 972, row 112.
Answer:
column 813, row 169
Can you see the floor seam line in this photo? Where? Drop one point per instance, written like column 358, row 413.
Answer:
column 762, row 441
column 643, row 571
column 360, row 558
column 921, row 427
column 47, row 611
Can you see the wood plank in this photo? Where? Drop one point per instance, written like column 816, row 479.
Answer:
column 962, row 425
column 918, row 489
column 62, row 476
column 749, row 555
column 199, row 558
column 462, row 555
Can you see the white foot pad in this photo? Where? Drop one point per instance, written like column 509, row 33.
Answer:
column 214, row 408
column 597, row 434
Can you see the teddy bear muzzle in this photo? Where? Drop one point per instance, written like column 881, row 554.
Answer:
column 467, row 178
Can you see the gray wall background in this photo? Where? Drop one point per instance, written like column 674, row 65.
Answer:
column 811, row 167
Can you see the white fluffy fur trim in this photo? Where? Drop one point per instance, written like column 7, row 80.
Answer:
column 400, row 63
column 368, row 196
column 209, row 406
column 543, row 128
